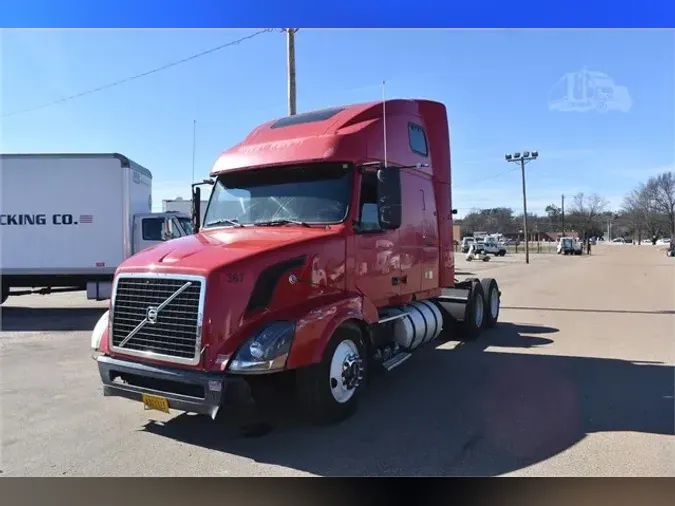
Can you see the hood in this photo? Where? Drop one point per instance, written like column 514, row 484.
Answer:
column 208, row 250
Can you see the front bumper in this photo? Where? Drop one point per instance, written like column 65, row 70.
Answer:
column 191, row 391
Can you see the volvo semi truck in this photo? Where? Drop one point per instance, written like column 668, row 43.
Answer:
column 325, row 255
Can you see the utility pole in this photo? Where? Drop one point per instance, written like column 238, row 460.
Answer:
column 290, row 39
column 523, row 159
column 562, row 211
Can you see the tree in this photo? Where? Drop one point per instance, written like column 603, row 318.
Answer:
column 554, row 214
column 498, row 219
column 586, row 213
column 664, row 197
column 644, row 211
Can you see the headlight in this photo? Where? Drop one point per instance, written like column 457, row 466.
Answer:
column 267, row 351
column 98, row 331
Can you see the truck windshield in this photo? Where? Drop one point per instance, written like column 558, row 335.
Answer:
column 308, row 194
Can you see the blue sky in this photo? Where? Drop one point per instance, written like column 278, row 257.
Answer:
column 497, row 86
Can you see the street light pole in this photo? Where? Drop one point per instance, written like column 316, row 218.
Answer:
column 526, row 156
column 525, row 232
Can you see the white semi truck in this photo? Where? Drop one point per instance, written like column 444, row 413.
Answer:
column 67, row 221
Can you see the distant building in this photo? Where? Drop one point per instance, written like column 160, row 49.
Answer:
column 457, row 232
column 183, row 206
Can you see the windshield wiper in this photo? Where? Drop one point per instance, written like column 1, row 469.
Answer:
column 281, row 221
column 234, row 223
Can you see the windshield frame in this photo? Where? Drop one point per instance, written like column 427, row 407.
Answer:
column 350, row 171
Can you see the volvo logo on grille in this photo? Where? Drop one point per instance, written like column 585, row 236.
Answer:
column 151, row 314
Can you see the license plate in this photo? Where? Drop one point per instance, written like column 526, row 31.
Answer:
column 155, row 402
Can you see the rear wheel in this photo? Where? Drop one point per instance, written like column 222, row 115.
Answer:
column 492, row 301
column 329, row 392
column 474, row 313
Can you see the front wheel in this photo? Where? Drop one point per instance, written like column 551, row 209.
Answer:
column 329, row 391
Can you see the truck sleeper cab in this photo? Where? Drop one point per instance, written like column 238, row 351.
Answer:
column 315, row 257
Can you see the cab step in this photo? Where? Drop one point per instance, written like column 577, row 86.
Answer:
column 396, row 360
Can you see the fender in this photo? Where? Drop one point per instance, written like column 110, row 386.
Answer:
column 315, row 328
column 99, row 336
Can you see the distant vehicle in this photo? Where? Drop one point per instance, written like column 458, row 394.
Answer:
column 619, row 240
column 468, row 241
column 475, row 254
column 86, row 214
column 491, row 246
column 569, row 246
column 466, row 244
column 578, row 247
column 664, row 241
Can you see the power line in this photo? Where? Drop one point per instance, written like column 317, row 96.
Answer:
column 137, row 76
column 492, row 176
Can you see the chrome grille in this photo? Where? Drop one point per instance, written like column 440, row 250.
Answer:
column 171, row 330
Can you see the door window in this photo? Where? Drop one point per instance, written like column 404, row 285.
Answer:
column 368, row 212
column 152, row 229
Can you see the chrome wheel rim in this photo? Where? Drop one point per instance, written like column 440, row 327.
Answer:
column 346, row 371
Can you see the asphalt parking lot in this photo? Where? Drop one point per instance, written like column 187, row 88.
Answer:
column 577, row 380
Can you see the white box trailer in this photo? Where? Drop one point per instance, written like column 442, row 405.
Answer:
column 67, row 221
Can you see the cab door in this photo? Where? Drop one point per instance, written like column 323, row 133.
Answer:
column 429, row 249
column 377, row 251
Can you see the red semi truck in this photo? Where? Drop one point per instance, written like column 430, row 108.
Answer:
column 325, row 253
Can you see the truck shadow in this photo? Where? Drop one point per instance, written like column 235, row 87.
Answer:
column 46, row 319
column 467, row 411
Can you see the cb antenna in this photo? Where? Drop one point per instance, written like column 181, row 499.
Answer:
column 384, row 120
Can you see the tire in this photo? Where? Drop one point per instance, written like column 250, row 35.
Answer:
column 502, row 253
column 324, row 399
column 472, row 326
column 491, row 297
